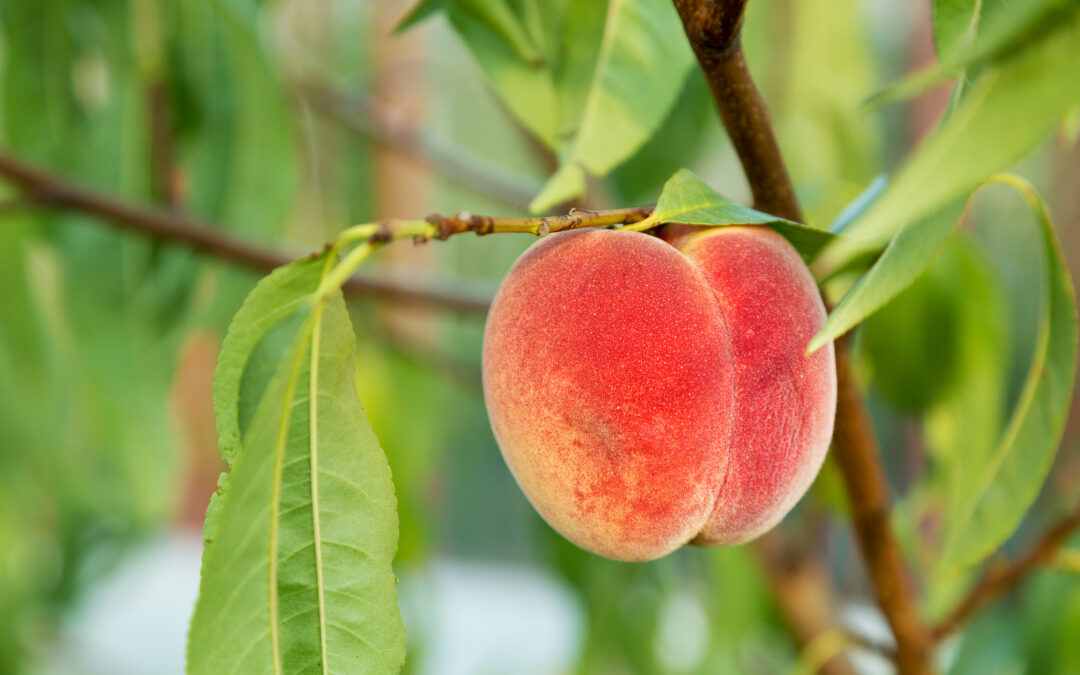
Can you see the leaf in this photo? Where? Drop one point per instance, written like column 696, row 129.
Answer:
column 592, row 80
column 687, row 200
column 1002, row 117
column 954, row 23
column 995, row 33
column 297, row 576
column 418, row 13
column 639, row 72
column 923, row 342
column 281, row 293
column 908, row 255
column 995, row 496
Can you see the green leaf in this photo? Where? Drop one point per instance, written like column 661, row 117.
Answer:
column 687, row 200
column 995, row 495
column 990, row 33
column 592, row 80
column 638, row 74
column 1004, row 115
column 297, row 576
column 526, row 87
column 420, row 12
column 954, row 23
column 908, row 255
column 280, row 294
column 930, row 337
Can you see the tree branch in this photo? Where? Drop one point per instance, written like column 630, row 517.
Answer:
column 48, row 190
column 1001, row 577
column 712, row 27
column 366, row 116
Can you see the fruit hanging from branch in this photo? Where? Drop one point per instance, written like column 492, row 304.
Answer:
column 648, row 392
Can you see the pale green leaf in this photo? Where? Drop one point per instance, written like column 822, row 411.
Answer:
column 297, row 577
column 993, row 498
column 954, row 23
column 642, row 50
column 563, row 185
column 1004, row 115
column 686, row 199
column 418, row 13
column 995, row 32
column 592, row 80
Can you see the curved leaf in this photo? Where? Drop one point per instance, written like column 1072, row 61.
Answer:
column 687, row 200
column 994, row 499
column 1003, row 116
column 297, row 574
column 276, row 296
column 974, row 34
column 642, row 50
column 908, row 255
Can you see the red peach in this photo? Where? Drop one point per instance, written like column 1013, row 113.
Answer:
column 645, row 397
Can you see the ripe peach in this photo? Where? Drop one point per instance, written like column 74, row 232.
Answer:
column 646, row 395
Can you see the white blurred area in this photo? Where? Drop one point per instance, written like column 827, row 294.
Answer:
column 462, row 618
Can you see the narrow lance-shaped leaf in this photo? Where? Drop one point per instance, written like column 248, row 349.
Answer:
column 1004, row 114
column 996, row 496
column 297, row 570
column 973, row 35
column 687, row 200
column 641, row 67
column 908, row 255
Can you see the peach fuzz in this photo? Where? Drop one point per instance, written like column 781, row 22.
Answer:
column 645, row 397
column 785, row 401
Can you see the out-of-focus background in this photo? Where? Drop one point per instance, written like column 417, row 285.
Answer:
column 282, row 122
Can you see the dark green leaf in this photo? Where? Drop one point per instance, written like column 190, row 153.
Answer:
column 686, row 199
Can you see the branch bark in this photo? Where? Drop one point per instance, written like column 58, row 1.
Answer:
column 712, row 27
column 45, row 189
column 1002, row 577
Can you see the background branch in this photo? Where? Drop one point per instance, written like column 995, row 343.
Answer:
column 366, row 116
column 1002, row 577
column 48, row 190
column 712, row 27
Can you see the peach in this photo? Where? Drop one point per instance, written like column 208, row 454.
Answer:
column 648, row 394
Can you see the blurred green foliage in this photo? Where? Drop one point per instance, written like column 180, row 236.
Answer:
column 94, row 455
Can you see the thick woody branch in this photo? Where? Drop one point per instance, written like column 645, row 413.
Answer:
column 712, row 27
column 45, row 189
column 857, row 455
column 1001, row 577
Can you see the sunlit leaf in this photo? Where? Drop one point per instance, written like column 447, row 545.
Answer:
column 297, row 573
column 1003, row 116
column 989, row 32
column 686, row 199
column 642, row 50
column 576, row 75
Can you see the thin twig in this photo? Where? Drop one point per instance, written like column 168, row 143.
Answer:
column 712, row 27
column 1001, row 577
column 48, row 190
